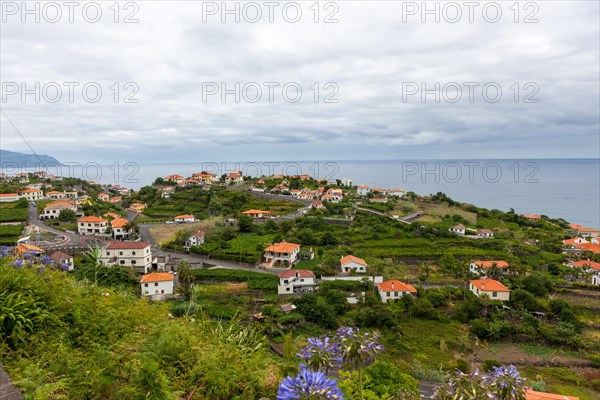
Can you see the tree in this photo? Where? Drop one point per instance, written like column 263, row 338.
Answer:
column 132, row 227
column 337, row 299
column 494, row 271
column 185, row 273
column 245, row 223
column 67, row 216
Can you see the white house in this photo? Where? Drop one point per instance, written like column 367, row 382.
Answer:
column 346, row 182
column 234, row 177
column 283, row 254
column 175, row 178
column 33, row 194
column 118, row 228
column 484, row 233
column 257, row 214
column 396, row 192
column 53, row 210
column 103, row 197
column 157, row 283
column 494, row 289
column 195, row 240
column 351, row 263
column 63, row 259
column 591, row 266
column 392, row 290
column 55, row 195
column 458, row 229
column 181, row 219
column 167, row 192
column 91, row 225
column 6, row 197
column 318, row 204
column 132, row 254
column 479, row 267
column 362, row 190
column 296, row 281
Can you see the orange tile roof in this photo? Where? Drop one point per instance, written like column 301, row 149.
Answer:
column 157, row 277
column 533, row 395
column 55, row 192
column 396, row 286
column 282, row 247
column 184, row 216
column 575, row 226
column 112, row 215
column 586, row 229
column 9, row 195
column 93, row 219
column 587, row 263
column 350, row 258
column 489, row 285
column 32, row 190
column 488, row 264
column 23, row 248
column 256, row 212
column 363, row 187
column 594, row 248
column 574, row 241
column 532, row 216
column 118, row 222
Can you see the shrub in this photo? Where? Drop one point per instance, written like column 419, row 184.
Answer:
column 463, row 365
column 489, row 365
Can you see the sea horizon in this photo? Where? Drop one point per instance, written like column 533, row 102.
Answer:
column 567, row 188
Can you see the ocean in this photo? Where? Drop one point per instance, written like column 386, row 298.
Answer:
column 558, row 188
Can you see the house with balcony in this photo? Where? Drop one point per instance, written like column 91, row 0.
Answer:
column 480, row 267
column 281, row 255
column 55, row 195
column 296, row 281
column 92, row 225
column 118, row 228
column 53, row 210
column 130, row 254
column 257, row 214
column 234, row 178
column 394, row 289
column 137, row 207
column 490, row 287
column 32, row 194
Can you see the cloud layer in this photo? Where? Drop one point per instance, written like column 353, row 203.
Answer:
column 375, row 57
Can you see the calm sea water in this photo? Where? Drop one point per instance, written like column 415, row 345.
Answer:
column 567, row 188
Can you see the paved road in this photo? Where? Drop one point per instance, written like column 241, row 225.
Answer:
column 34, row 219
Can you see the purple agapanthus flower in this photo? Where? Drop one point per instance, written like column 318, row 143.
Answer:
column 309, row 385
column 17, row 264
column 321, row 354
column 3, row 251
column 358, row 349
column 46, row 260
column 64, row 266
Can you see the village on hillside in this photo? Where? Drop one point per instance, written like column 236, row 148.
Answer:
column 307, row 253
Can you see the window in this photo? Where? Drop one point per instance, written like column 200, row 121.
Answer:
column 395, row 294
column 120, row 253
column 122, row 262
column 133, row 253
column 156, row 284
column 108, row 253
column 389, row 294
column 162, row 291
column 287, row 289
column 145, row 285
column 494, row 294
column 302, row 280
column 132, row 262
column 285, row 281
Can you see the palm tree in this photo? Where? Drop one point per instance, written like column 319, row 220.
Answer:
column 494, row 271
column 92, row 258
column 132, row 227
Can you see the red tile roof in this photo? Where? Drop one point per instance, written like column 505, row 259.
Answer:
column 118, row 222
column 396, row 286
column 9, row 195
column 350, row 258
column 291, row 273
column 126, row 245
column 157, row 277
column 489, row 285
column 184, row 216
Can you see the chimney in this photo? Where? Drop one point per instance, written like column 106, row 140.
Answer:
column 482, row 286
column 392, row 285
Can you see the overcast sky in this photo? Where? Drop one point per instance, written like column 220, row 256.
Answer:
column 375, row 59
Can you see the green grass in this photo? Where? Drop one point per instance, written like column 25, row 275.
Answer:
column 564, row 381
column 11, row 212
